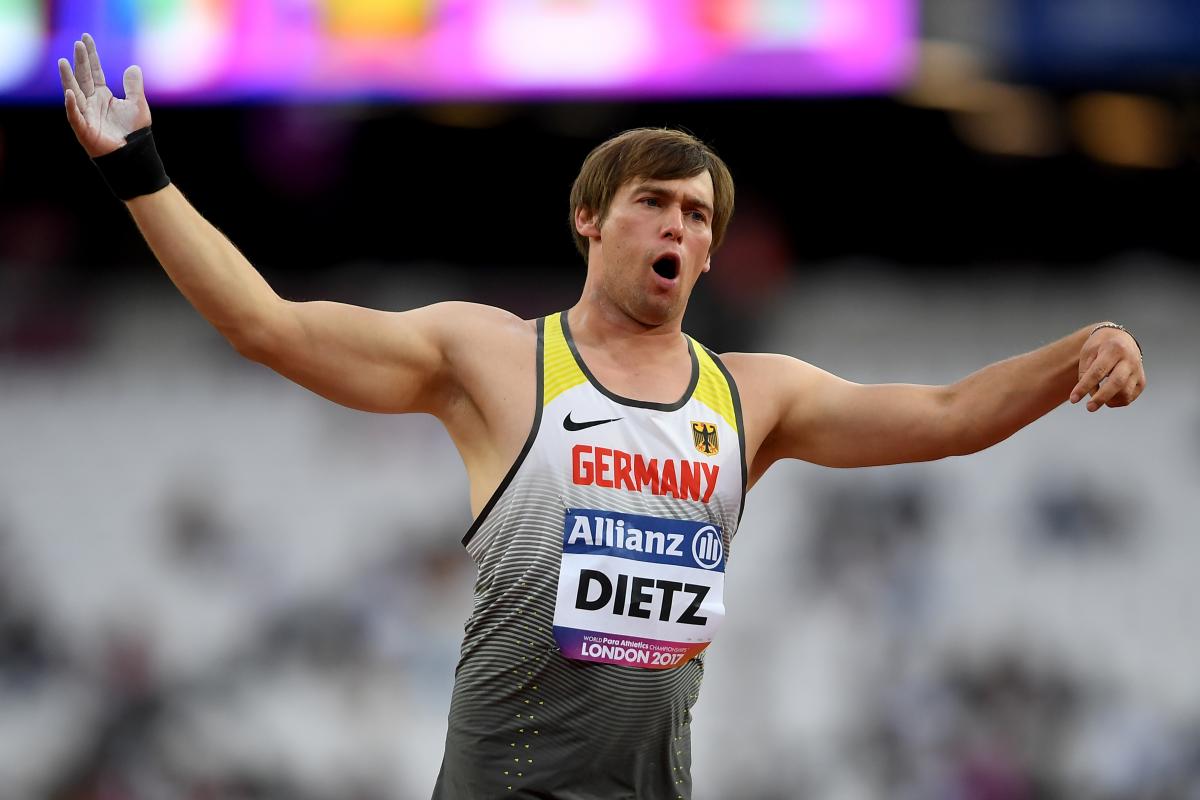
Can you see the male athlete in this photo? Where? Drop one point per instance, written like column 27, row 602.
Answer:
column 608, row 453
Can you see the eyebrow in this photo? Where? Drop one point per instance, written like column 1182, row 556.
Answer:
column 662, row 191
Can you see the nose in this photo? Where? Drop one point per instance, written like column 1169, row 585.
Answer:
column 672, row 226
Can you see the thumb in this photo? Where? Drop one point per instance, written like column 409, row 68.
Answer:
column 133, row 82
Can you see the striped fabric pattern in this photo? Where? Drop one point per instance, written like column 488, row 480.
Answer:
column 526, row 721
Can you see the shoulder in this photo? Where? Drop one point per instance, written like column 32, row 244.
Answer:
column 765, row 372
column 461, row 315
column 784, row 400
column 479, row 327
column 773, row 386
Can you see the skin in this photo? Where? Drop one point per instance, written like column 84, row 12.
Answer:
column 473, row 366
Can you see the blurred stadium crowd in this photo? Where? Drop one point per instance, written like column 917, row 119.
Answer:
column 214, row 586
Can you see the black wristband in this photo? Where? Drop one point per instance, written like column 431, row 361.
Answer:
column 135, row 169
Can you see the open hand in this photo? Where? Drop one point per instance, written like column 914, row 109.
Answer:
column 1110, row 370
column 101, row 121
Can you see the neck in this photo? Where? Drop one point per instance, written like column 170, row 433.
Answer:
column 597, row 323
column 600, row 316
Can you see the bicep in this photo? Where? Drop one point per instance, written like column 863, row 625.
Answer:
column 360, row 357
column 834, row 422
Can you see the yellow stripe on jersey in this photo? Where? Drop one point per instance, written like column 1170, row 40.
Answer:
column 559, row 370
column 712, row 389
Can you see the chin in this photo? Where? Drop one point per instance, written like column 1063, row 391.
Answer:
column 646, row 308
column 652, row 313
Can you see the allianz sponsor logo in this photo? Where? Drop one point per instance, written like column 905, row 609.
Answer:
column 614, row 532
column 707, row 547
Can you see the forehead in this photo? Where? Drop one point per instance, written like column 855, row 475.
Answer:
column 697, row 187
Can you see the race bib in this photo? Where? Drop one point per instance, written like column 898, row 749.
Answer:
column 638, row 591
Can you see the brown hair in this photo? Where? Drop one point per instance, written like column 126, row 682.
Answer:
column 655, row 154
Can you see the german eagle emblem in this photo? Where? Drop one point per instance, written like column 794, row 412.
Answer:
column 704, row 435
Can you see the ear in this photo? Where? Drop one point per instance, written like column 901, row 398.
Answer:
column 587, row 223
column 707, row 263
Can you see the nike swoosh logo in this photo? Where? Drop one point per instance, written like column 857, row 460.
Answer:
column 572, row 425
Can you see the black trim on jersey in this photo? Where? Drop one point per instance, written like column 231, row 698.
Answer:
column 537, row 421
column 625, row 401
column 737, row 415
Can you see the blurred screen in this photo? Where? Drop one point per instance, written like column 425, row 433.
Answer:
column 1121, row 41
column 221, row 50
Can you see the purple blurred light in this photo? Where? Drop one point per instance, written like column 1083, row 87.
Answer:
column 218, row 50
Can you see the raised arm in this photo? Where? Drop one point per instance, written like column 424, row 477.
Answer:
column 358, row 357
column 366, row 359
column 795, row 410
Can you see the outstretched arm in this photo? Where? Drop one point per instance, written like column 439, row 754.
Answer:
column 809, row 414
column 359, row 357
column 367, row 359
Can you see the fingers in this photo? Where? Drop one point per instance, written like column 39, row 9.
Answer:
column 94, row 60
column 1110, row 370
column 68, row 79
column 132, row 79
column 83, row 70
column 1132, row 389
column 1115, row 389
column 1139, row 385
column 1120, row 387
column 1089, row 380
column 74, row 115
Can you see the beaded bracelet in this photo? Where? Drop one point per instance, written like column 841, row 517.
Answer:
column 1120, row 327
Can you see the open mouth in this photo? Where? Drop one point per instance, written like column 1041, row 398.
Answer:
column 667, row 266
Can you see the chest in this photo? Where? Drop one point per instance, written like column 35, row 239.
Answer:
column 660, row 381
column 589, row 444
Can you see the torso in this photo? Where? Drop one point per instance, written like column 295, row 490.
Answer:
column 667, row 479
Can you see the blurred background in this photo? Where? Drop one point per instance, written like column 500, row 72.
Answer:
column 216, row 586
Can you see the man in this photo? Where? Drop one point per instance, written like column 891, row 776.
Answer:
column 608, row 454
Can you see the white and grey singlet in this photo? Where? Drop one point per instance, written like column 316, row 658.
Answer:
column 601, row 560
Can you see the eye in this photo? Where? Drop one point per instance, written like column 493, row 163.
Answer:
column 698, row 216
column 651, row 201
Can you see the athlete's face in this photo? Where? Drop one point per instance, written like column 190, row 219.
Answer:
column 652, row 246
